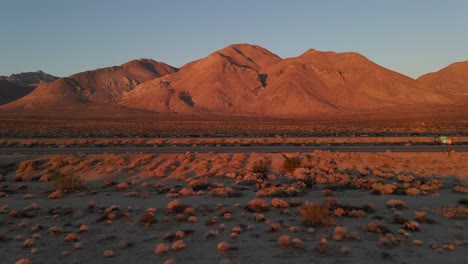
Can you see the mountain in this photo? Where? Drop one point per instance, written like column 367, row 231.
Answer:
column 100, row 85
column 248, row 80
column 18, row 85
column 451, row 81
column 29, row 78
column 330, row 82
column 245, row 79
column 10, row 92
column 220, row 83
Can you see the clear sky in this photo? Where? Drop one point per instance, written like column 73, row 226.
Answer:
column 62, row 37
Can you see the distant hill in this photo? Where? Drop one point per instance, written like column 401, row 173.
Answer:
column 18, row 85
column 10, row 92
column 451, row 81
column 29, row 78
column 100, row 85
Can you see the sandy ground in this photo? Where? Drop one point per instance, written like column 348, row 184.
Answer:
column 139, row 208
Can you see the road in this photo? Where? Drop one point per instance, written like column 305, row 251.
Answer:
column 228, row 149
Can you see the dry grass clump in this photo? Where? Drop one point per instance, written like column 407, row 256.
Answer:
column 199, row 184
column 257, row 205
column 161, row 248
column 224, row 192
column 455, row 212
column 460, row 188
column 279, row 203
column 68, row 183
column 290, row 164
column 178, row 245
column 72, row 237
column 148, row 218
column 54, row 230
column 23, row 261
column 262, row 167
column 413, row 191
column 223, row 246
column 388, row 240
column 383, row 189
column 315, row 214
column 292, row 189
column 284, row 241
column 411, row 226
column 108, row 253
column 377, row 227
column 398, row 204
column 175, row 206
column 249, row 179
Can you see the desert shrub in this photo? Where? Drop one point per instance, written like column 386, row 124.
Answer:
column 398, row 204
column 284, row 241
column 411, row 225
column 199, row 184
column 377, row 227
column 460, row 189
column 262, row 167
column 176, row 207
column 257, row 205
column 315, row 214
column 383, row 189
column 280, row 203
column 290, row 164
column 463, row 201
column 455, row 212
column 68, row 183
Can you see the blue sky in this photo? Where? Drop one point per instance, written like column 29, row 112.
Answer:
column 62, row 37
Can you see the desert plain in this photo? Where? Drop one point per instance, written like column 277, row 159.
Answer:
column 301, row 207
column 323, row 205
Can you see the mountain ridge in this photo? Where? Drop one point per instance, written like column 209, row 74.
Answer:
column 245, row 80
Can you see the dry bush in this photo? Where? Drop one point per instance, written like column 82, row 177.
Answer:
column 257, row 205
column 376, row 227
column 411, row 225
column 175, row 206
column 284, row 241
column 398, row 204
column 383, row 189
column 412, row 191
column 199, row 184
column 68, row 183
column 388, row 240
column 455, row 212
column 357, row 213
column 178, row 244
column 224, row 192
column 262, row 167
column 293, row 189
column 161, row 248
column 223, row 246
column 315, row 214
column 460, row 189
column 279, row 203
column 290, row 164
column 186, row 191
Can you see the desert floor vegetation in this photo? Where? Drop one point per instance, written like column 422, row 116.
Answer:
column 234, row 208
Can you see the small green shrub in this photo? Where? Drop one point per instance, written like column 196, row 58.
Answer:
column 69, row 183
column 290, row 164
